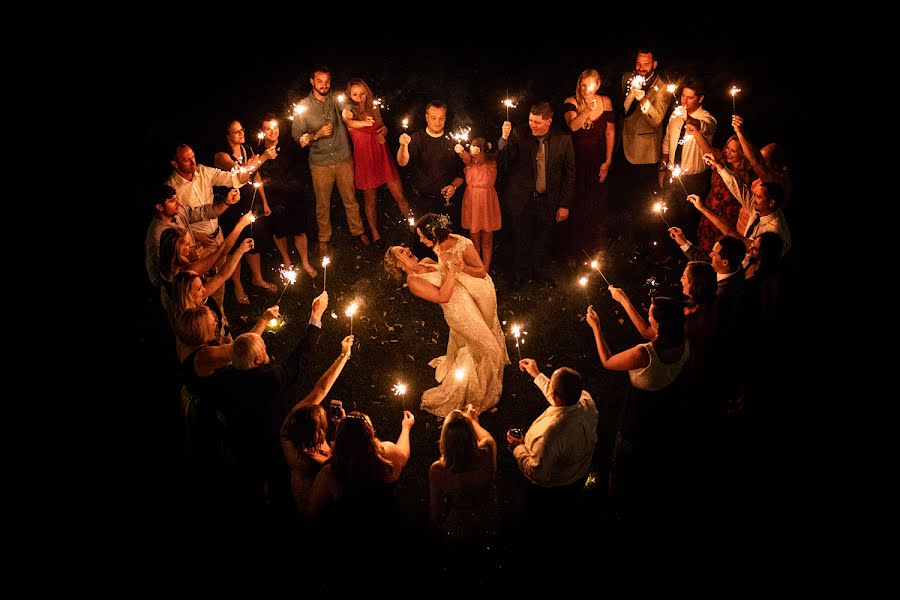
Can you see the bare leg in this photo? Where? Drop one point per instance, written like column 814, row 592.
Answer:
column 301, row 244
column 371, row 199
column 396, row 189
column 281, row 244
column 476, row 242
column 253, row 261
column 487, row 249
column 239, row 292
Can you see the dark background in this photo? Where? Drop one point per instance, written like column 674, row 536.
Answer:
column 181, row 90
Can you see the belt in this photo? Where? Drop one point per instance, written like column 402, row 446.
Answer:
column 538, row 194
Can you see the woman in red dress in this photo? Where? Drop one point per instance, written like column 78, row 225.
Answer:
column 374, row 165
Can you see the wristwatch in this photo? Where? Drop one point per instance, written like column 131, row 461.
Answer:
column 316, row 137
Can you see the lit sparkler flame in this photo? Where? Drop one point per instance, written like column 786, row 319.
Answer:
column 399, row 389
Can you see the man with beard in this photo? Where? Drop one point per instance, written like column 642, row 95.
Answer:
column 318, row 124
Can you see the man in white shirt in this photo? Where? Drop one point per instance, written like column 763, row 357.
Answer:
column 762, row 201
column 556, row 453
column 194, row 185
column 680, row 150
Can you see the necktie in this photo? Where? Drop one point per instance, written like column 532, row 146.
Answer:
column 680, row 147
column 751, row 229
column 540, row 179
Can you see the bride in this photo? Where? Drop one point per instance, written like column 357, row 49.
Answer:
column 471, row 372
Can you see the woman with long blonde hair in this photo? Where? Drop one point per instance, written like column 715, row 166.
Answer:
column 373, row 164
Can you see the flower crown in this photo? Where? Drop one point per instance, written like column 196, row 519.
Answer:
column 440, row 222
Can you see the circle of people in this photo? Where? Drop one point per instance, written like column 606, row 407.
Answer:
column 550, row 177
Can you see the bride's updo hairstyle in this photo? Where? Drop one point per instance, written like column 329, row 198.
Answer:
column 435, row 227
column 391, row 264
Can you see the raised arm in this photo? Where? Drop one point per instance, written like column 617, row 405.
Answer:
column 349, row 121
column 640, row 323
column 751, row 153
column 463, row 155
column 218, row 280
column 705, row 145
column 398, row 453
column 484, row 437
column 323, row 385
column 634, row 358
column 261, row 323
column 205, row 263
column 721, row 224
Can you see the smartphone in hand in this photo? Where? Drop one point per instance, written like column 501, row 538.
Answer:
column 336, row 406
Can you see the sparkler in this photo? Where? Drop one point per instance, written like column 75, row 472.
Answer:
column 405, row 122
column 508, row 103
column 399, row 389
column 637, row 82
column 734, row 92
column 325, row 262
column 260, row 136
column 290, row 277
column 672, row 88
column 517, row 331
column 596, row 265
column 676, row 174
column 661, row 208
column 583, row 283
column 459, row 374
column 351, row 310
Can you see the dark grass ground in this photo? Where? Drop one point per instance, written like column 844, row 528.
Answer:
column 397, row 334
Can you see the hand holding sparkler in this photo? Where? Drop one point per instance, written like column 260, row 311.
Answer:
column 458, row 148
column 233, row 196
column 405, row 139
column 593, row 319
column 618, row 295
column 737, row 123
column 347, row 346
column 528, row 365
column 676, row 234
column 304, row 140
column 319, row 304
column 506, row 130
column 710, row 159
column 696, row 201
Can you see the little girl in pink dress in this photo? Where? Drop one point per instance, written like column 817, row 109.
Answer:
column 480, row 205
